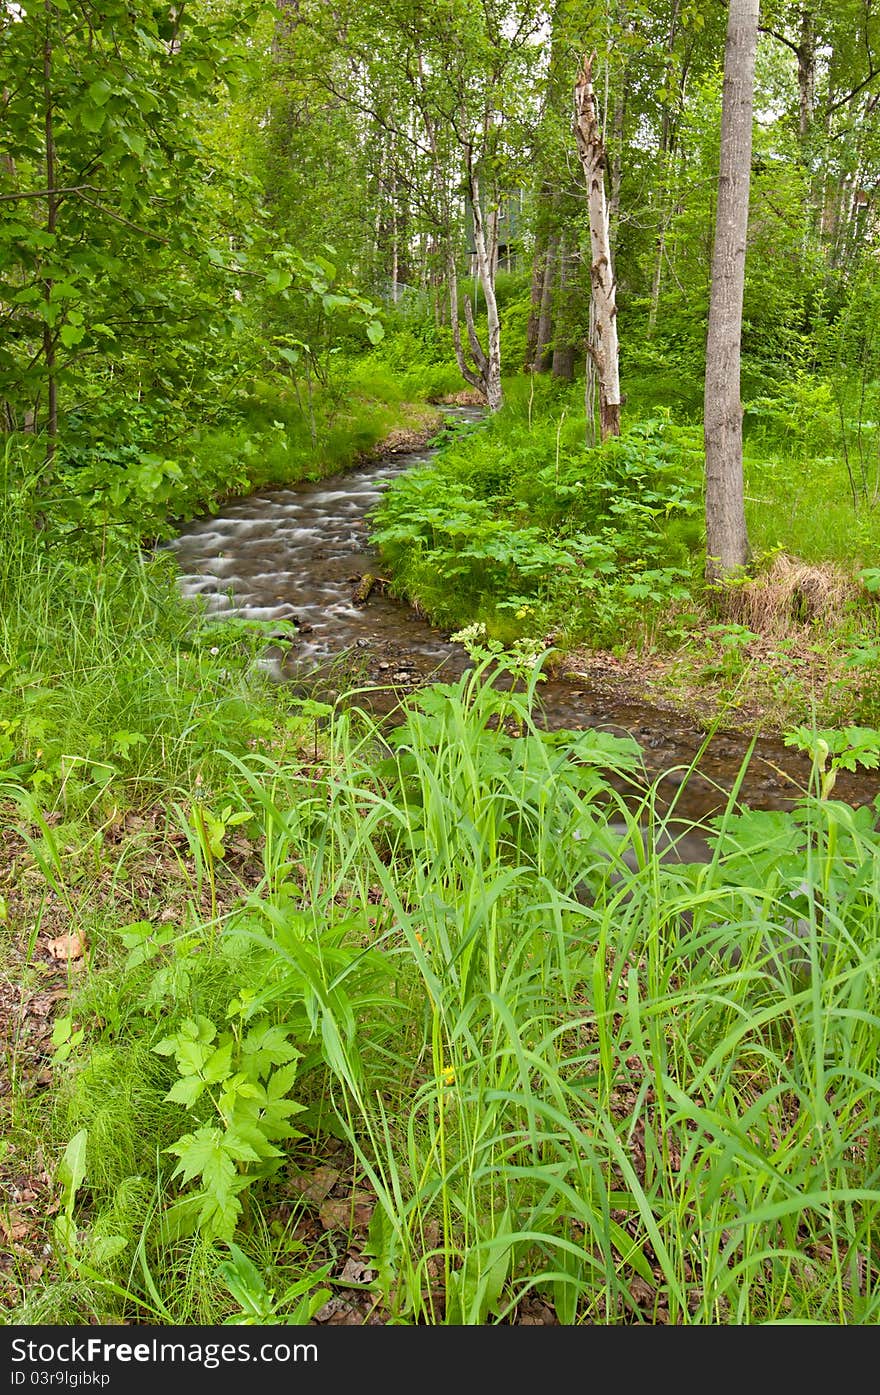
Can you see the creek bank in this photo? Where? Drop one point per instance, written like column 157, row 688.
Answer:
column 770, row 693
column 421, row 423
column 298, row 563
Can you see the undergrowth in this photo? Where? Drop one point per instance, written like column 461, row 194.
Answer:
column 443, row 1018
column 524, row 528
column 574, row 1049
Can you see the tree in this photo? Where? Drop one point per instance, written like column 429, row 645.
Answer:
column 445, row 90
column 727, row 544
column 113, row 249
column 603, row 341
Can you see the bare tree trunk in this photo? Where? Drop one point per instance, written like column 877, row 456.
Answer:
column 541, row 358
column 563, row 349
column 603, row 346
column 469, row 374
column 539, row 259
column 563, row 362
column 490, row 364
column 806, row 60
column 484, row 369
column 51, row 220
column 590, row 387
column 484, row 372
column 727, row 544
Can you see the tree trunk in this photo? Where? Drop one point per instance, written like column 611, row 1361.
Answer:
column 539, row 259
column 482, row 369
column 564, row 356
column 541, row 358
column 51, row 223
column 488, row 362
column 806, row 60
column 727, row 544
column 469, row 374
column 590, row 388
column 563, row 350
column 617, row 127
column 665, row 149
column 603, row 346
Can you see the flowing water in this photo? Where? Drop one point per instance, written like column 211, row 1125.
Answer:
column 300, row 555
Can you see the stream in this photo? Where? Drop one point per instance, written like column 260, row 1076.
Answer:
column 299, row 555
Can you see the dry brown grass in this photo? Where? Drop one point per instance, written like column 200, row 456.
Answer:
column 789, row 595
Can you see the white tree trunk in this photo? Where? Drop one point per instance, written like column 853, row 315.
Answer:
column 488, row 363
column 603, row 348
column 727, row 544
column 470, row 374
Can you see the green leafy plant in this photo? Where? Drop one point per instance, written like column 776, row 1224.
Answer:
column 294, row 1307
column 833, row 750
column 520, row 522
column 244, row 1076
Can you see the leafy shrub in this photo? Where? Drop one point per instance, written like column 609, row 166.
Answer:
column 522, row 526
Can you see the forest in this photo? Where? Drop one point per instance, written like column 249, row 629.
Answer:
column 439, row 663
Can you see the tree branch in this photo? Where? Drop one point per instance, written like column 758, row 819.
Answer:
column 843, row 101
column 774, row 34
column 44, row 193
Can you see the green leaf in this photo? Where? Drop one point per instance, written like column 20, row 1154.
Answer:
column 100, row 91
column 219, row 1064
column 201, row 1153
column 134, row 140
column 375, row 331
column 281, row 1082
column 71, row 335
column 247, row 1287
column 278, row 280
column 106, row 1247
column 243, row 1149
column 72, row 1168
column 191, row 1057
column 219, row 1215
column 186, row 1090
column 92, row 118
column 264, row 1047
column 62, row 1030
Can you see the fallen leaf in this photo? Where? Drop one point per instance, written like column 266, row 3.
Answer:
column 335, row 1311
column 355, row 1271
column 349, row 1317
column 535, row 1313
column 16, row 1228
column 68, row 947
column 642, row 1293
column 315, row 1186
column 340, row 1213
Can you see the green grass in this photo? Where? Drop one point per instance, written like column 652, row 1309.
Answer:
column 281, row 434
column 566, row 1065
column 803, row 506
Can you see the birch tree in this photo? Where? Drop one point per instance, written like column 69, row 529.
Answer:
column 602, row 347
column 727, row 544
